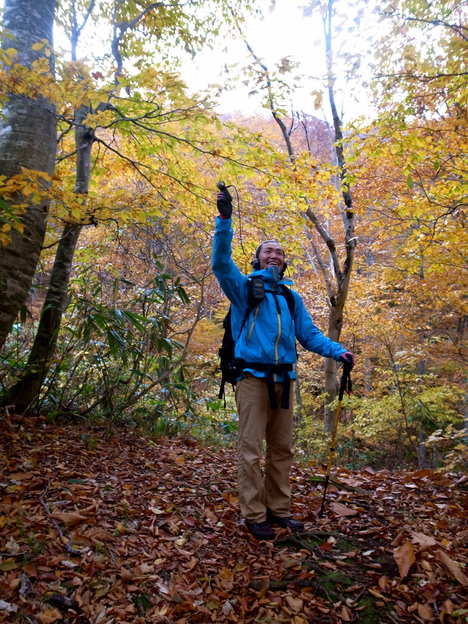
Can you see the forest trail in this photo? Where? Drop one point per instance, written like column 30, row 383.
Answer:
column 157, row 533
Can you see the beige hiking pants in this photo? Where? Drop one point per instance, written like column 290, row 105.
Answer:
column 257, row 422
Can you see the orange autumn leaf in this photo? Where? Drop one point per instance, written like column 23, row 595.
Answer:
column 404, row 557
column 342, row 510
column 453, row 567
column 69, row 519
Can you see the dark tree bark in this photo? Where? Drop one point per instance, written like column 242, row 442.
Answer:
column 27, row 389
column 27, row 139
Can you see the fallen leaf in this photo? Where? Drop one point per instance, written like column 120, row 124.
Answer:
column 6, row 606
column 342, row 510
column 8, row 565
column 226, row 574
column 126, row 575
column 325, row 546
column 423, row 539
column 227, row 608
column 346, row 614
column 453, row 568
column 12, row 546
column 69, row 519
column 375, row 593
column 328, row 564
column 420, row 474
column 156, row 510
column 190, row 521
column 449, row 606
column 49, row 615
column 20, row 476
column 425, row 612
column 404, row 557
column 295, row 604
column 26, row 588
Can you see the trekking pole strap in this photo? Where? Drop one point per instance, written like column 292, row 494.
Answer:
column 345, row 383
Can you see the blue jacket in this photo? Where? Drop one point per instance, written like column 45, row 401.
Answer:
column 267, row 337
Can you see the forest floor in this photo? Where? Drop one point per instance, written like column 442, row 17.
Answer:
column 100, row 526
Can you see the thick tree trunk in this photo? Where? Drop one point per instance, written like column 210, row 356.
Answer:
column 27, row 389
column 27, row 139
column 335, row 324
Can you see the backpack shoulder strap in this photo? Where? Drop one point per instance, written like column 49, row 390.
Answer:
column 289, row 296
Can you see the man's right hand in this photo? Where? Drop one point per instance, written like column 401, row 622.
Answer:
column 224, row 204
column 348, row 359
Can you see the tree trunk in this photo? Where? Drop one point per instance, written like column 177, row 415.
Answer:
column 27, row 389
column 343, row 276
column 335, row 324
column 422, row 450
column 27, row 139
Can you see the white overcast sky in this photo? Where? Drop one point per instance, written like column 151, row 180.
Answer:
column 283, row 32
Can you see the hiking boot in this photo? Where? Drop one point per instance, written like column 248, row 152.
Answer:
column 285, row 523
column 260, row 530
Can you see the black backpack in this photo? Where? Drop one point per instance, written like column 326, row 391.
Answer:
column 230, row 367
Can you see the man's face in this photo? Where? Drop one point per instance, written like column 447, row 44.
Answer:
column 271, row 254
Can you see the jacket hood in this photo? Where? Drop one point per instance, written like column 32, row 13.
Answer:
column 271, row 276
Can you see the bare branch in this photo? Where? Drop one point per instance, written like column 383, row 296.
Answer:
column 60, row 158
column 330, row 243
column 322, row 266
column 457, row 28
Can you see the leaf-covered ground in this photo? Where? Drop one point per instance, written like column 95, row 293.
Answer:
column 100, row 527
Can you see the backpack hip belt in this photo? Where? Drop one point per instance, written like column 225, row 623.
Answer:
column 270, row 370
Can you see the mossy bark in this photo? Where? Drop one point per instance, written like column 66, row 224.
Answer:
column 27, row 389
column 27, row 140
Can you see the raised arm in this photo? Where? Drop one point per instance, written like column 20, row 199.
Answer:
column 228, row 275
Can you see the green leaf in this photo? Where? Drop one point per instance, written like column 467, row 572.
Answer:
column 135, row 319
column 409, row 182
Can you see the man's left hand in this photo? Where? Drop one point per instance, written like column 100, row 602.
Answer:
column 224, row 204
column 348, row 359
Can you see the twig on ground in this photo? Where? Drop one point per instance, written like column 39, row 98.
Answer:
column 338, row 484
column 4, row 553
column 66, row 543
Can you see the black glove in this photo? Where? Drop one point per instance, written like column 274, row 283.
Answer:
column 348, row 359
column 224, row 204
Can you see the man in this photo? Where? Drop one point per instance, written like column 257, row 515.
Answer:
column 265, row 332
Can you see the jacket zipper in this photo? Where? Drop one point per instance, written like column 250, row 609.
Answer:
column 278, row 314
column 253, row 323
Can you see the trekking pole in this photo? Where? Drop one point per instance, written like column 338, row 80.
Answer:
column 345, row 380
